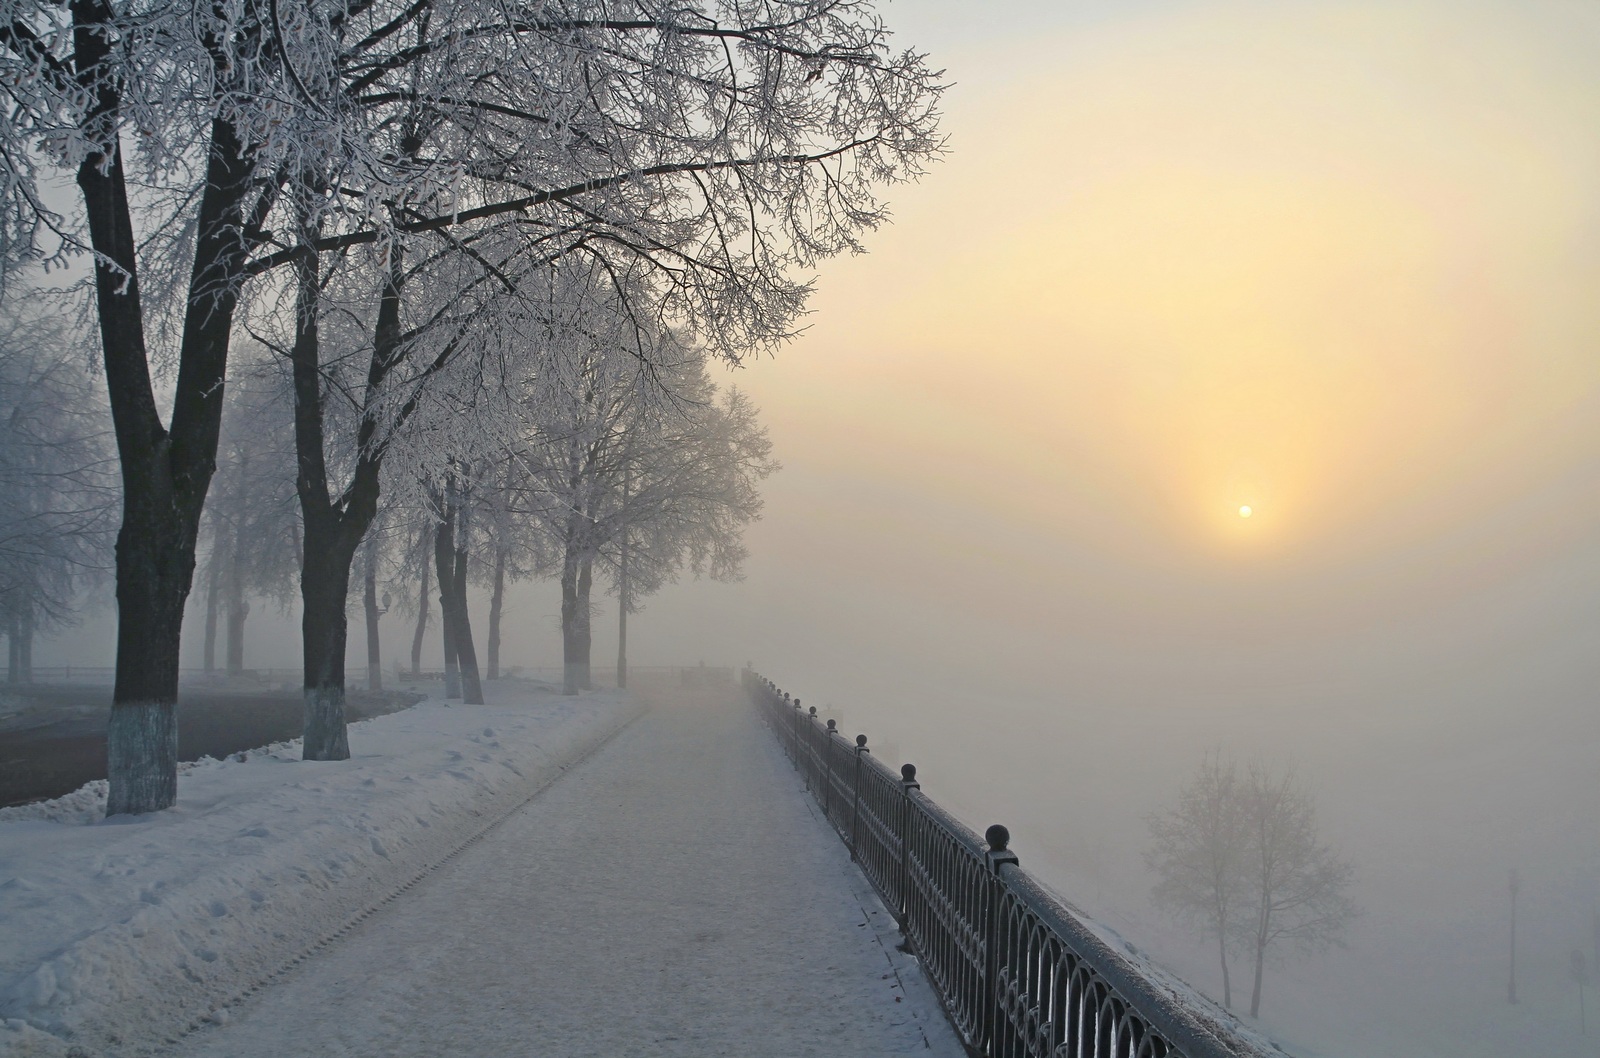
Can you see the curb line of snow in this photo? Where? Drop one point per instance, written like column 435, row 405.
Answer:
column 127, row 1003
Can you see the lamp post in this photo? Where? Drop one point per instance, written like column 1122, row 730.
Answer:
column 1511, row 982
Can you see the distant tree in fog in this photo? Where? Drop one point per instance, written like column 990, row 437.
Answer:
column 58, row 490
column 1199, row 856
column 251, row 523
column 1241, row 856
column 1298, row 885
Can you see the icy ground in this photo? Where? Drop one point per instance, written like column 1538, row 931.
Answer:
column 673, row 894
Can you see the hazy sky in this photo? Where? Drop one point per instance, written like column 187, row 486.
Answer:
column 1333, row 261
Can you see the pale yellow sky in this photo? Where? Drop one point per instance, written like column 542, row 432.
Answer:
column 1334, row 261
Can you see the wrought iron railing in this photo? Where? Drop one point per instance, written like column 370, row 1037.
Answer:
column 1020, row 974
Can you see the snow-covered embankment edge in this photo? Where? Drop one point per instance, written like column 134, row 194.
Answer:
column 121, row 934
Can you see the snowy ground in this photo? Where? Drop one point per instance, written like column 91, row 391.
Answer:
column 119, row 934
column 675, row 894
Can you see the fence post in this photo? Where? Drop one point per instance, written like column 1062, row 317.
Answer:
column 811, row 746
column 908, row 782
column 827, row 772
column 997, row 837
column 855, row 792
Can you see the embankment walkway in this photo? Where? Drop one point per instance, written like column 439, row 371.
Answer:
column 676, row 894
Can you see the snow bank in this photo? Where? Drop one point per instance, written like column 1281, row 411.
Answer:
column 119, row 934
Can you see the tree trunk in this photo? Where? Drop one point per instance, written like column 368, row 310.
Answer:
column 585, row 635
column 374, row 658
column 622, row 588
column 238, row 605
column 571, row 655
column 25, row 641
column 444, row 561
column 14, row 648
column 496, row 600
column 1255, row 993
column 238, row 610
column 466, row 653
column 324, row 629
column 1227, row 984
column 213, row 601
column 622, row 636
column 422, row 623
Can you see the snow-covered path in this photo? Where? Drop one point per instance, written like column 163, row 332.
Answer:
column 673, row 895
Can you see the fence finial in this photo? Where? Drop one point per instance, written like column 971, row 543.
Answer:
column 861, row 741
column 908, row 773
column 998, row 838
column 833, row 727
column 813, row 710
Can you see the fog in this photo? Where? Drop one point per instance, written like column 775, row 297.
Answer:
column 1333, row 261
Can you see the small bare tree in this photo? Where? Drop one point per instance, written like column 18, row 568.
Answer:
column 1199, row 856
column 1298, row 884
column 1241, row 858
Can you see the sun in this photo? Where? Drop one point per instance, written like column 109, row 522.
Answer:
column 1245, row 511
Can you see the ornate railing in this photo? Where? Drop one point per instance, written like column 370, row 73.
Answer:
column 1020, row 974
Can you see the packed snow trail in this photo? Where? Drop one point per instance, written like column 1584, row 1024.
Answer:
column 675, row 894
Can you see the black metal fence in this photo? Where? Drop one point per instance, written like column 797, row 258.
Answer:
column 1020, row 974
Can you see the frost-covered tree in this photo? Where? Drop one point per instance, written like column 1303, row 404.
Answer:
column 191, row 90
column 634, row 466
column 682, row 489
column 57, row 482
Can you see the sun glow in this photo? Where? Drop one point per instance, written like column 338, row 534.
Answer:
column 1245, row 511
column 1252, row 277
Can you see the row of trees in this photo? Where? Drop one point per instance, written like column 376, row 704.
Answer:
column 612, row 475
column 607, row 478
column 418, row 207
